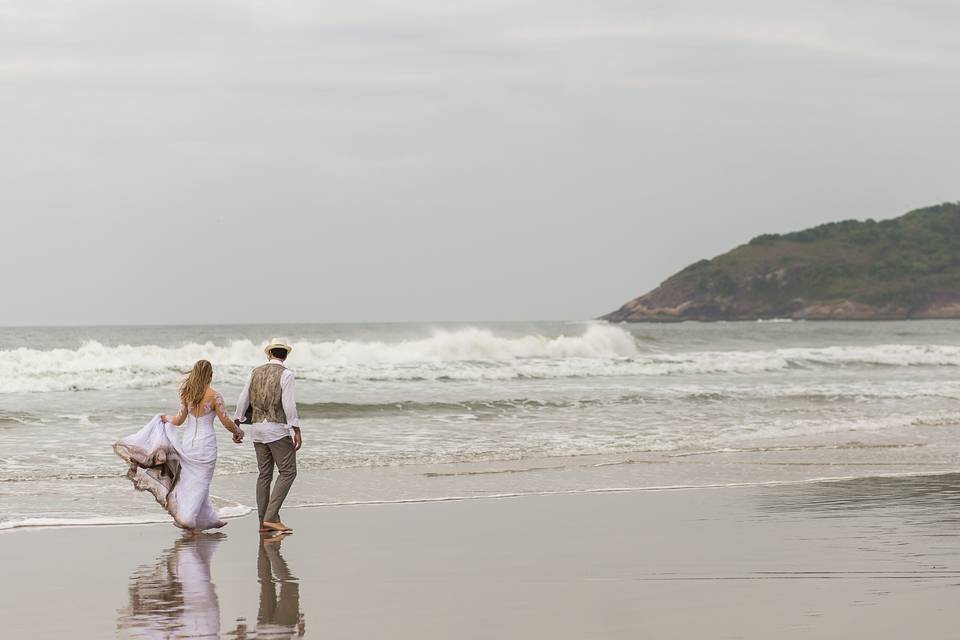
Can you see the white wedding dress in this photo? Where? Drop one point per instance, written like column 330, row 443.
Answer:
column 178, row 471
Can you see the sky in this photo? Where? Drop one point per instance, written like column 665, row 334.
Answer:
column 202, row 161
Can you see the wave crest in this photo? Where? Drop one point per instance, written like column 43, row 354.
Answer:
column 465, row 355
column 97, row 366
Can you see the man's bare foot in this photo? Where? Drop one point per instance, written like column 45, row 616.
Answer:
column 276, row 526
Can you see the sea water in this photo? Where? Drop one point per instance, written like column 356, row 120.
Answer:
column 407, row 412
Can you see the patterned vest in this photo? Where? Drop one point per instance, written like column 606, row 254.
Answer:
column 266, row 397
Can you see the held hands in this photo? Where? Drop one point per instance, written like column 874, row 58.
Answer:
column 238, row 434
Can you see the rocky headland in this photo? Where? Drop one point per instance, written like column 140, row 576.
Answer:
column 896, row 269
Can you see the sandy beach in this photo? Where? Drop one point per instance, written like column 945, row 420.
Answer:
column 873, row 558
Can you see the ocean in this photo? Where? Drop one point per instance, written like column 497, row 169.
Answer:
column 412, row 412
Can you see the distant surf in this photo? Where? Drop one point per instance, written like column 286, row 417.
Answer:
column 464, row 355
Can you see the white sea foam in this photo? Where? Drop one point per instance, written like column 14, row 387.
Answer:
column 467, row 354
column 94, row 521
column 235, row 510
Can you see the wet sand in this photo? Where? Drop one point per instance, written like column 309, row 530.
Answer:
column 866, row 558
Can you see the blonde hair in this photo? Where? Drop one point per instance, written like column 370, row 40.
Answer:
column 194, row 385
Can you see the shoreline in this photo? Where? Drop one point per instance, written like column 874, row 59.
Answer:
column 160, row 518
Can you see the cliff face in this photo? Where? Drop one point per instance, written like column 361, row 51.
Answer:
column 906, row 267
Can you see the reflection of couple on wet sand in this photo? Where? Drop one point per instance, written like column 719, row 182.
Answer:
column 175, row 597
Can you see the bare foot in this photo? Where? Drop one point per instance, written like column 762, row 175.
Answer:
column 276, row 526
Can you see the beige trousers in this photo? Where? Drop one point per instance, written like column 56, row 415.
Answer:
column 279, row 453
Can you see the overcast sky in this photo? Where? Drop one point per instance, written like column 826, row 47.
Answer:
column 200, row 161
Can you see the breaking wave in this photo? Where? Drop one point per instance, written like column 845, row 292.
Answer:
column 463, row 355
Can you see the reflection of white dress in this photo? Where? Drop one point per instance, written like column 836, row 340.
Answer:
column 201, row 609
column 177, row 473
column 175, row 597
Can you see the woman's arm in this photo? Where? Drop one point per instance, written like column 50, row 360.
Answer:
column 226, row 420
column 179, row 418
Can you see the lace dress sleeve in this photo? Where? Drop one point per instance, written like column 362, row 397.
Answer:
column 226, row 420
column 181, row 415
column 219, row 408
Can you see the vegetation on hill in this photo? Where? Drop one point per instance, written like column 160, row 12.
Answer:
column 889, row 269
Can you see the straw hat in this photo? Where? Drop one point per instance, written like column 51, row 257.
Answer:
column 278, row 343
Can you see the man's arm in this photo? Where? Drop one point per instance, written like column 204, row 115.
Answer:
column 288, row 397
column 243, row 402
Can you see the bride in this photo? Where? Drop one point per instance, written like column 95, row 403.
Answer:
column 178, row 471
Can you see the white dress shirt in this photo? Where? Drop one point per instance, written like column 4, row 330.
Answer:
column 264, row 432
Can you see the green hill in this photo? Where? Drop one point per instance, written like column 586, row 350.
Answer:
column 906, row 267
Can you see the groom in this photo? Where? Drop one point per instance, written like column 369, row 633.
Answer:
column 267, row 402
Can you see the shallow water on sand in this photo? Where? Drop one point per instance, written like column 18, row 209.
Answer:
column 417, row 412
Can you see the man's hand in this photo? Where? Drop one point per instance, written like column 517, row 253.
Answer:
column 297, row 440
column 237, row 422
